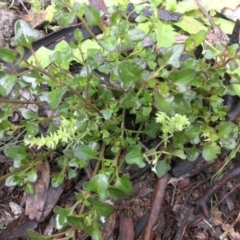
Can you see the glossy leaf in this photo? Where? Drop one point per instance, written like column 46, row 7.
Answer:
column 53, row 98
column 16, row 152
column 210, row 151
column 32, row 176
column 92, row 15
column 98, row 184
column 165, row 34
column 122, row 187
column 24, row 34
column 161, row 168
column 57, row 179
column 103, row 210
column 182, row 78
column 7, row 82
column 135, row 156
column 84, row 152
column 130, row 72
column 33, row 235
column 7, row 55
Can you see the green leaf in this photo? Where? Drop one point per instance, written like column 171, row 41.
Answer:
column 24, row 34
column 194, row 40
column 53, row 98
column 84, row 152
column 136, row 34
column 103, row 210
column 66, row 19
column 107, row 113
column 152, row 129
column 236, row 88
column 179, row 153
column 192, row 153
column 130, row 72
column 28, row 114
column 109, row 43
column 61, row 216
column 92, row 15
column 161, row 103
column 93, row 231
column 182, row 78
column 7, row 55
column 210, row 151
column 34, row 235
column 172, row 54
column 14, row 180
column 77, row 220
column 32, row 176
column 224, row 129
column 161, row 168
column 16, row 152
column 122, row 187
column 135, row 156
column 7, row 82
column 32, row 128
column 129, row 101
column 98, row 184
column 57, row 179
column 165, row 34
column 29, row 188
column 191, row 25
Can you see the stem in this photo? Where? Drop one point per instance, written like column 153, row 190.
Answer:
column 26, row 167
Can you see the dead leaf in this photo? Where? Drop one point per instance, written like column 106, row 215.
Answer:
column 35, row 203
column 35, row 19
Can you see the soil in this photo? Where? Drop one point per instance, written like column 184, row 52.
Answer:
column 178, row 217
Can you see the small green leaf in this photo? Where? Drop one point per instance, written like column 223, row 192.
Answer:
column 129, row 101
column 16, row 152
column 107, row 113
column 122, row 187
column 182, row 78
column 179, row 153
column 161, row 168
column 161, row 103
column 98, row 184
column 29, row 188
column 57, row 179
column 136, row 34
column 84, row 152
column 53, row 98
column 92, row 15
column 172, row 54
column 103, row 210
column 109, row 43
column 32, row 176
column 192, row 153
column 7, row 55
column 33, row 235
column 32, row 128
column 7, row 82
column 24, row 34
column 135, row 156
column 77, row 220
column 61, row 216
column 236, row 88
column 130, row 72
column 28, row 114
column 165, row 34
column 210, row 151
column 224, row 129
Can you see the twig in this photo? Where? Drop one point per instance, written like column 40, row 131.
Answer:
column 217, row 30
column 156, row 206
